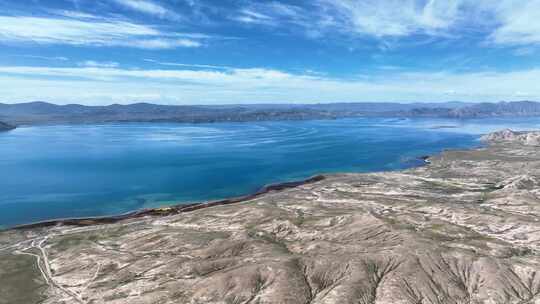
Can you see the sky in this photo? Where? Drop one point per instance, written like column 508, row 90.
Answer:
column 98, row 52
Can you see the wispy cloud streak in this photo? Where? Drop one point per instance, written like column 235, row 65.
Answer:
column 98, row 64
column 504, row 22
column 519, row 23
column 43, row 30
column 149, row 7
column 200, row 66
column 261, row 85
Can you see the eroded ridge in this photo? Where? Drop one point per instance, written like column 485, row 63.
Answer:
column 465, row 229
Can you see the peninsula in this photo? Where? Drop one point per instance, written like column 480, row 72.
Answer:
column 5, row 127
column 463, row 229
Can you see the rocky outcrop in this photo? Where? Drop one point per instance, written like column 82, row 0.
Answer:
column 509, row 136
column 464, row 229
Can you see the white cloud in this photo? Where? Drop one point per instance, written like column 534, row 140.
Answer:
column 276, row 14
column 56, row 58
column 252, row 16
column 19, row 29
column 378, row 18
column 74, row 14
column 255, row 15
column 201, row 77
column 161, row 43
column 199, row 66
column 97, row 85
column 382, row 18
column 519, row 23
column 97, row 64
column 502, row 22
column 149, row 7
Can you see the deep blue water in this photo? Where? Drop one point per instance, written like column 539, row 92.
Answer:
column 50, row 172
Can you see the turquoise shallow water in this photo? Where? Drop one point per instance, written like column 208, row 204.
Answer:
column 50, row 172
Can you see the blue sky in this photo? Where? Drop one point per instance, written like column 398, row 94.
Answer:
column 247, row 51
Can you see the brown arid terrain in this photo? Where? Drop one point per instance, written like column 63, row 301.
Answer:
column 463, row 229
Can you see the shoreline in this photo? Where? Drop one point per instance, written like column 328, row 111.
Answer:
column 466, row 228
column 177, row 208
column 189, row 207
column 184, row 208
column 164, row 211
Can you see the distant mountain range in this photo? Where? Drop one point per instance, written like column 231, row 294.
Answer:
column 479, row 110
column 46, row 113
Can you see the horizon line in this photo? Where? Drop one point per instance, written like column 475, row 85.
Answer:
column 272, row 104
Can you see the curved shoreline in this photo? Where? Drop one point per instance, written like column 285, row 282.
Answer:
column 464, row 228
column 165, row 211
column 179, row 208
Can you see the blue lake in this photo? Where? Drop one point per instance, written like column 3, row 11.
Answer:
column 50, row 172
